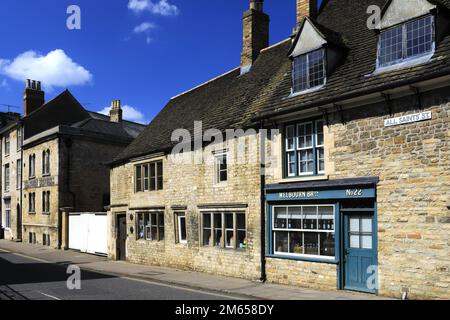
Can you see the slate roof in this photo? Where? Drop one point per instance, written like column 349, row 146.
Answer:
column 65, row 110
column 234, row 101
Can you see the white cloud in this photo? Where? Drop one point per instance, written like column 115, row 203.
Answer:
column 55, row 69
column 144, row 27
column 129, row 113
column 161, row 7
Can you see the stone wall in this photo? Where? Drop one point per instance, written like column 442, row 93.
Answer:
column 413, row 164
column 190, row 186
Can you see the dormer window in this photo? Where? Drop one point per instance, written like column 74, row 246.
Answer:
column 309, row 71
column 409, row 40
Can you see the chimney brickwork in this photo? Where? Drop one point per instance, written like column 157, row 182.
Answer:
column 33, row 97
column 306, row 8
column 116, row 111
column 256, row 32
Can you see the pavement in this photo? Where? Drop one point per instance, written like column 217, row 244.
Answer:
column 184, row 284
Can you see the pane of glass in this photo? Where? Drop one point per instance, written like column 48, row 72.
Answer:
column 327, row 244
column 218, row 229
column 229, row 239
column 206, row 220
column 138, row 177
column 296, row 242
column 290, row 133
column 311, row 243
column 154, row 233
column 354, row 241
column 295, row 217
column 148, row 235
column 280, row 218
column 281, row 241
column 152, row 177
column 316, row 69
column 366, row 242
column 326, row 218
column 161, row 233
column 207, row 239
column 229, row 221
column 354, row 224
column 140, row 226
column 223, row 176
column 242, row 239
column 391, row 46
column 291, row 163
column 240, row 224
column 161, row 219
column 321, row 159
column 419, row 37
column 366, row 225
column 182, row 226
column 309, row 217
column 300, row 74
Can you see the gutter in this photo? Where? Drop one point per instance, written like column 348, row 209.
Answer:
column 351, row 95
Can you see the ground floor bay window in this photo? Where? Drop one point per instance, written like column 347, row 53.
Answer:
column 307, row 230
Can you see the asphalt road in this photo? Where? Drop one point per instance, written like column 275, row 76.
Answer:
column 23, row 278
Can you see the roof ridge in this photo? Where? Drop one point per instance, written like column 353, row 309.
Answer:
column 276, row 44
column 205, row 83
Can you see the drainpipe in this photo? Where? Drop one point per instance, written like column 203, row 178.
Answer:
column 68, row 143
column 20, row 212
column 262, row 149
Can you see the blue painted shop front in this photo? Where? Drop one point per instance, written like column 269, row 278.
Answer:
column 331, row 222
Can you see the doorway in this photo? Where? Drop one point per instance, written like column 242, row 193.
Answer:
column 122, row 237
column 360, row 252
column 19, row 223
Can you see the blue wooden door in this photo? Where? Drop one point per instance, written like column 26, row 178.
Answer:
column 360, row 252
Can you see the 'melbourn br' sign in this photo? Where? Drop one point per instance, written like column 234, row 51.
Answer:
column 408, row 119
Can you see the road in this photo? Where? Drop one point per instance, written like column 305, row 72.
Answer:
column 24, row 278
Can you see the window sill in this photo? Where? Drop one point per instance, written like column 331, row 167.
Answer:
column 32, row 178
column 45, row 213
column 32, row 213
column 407, row 63
column 311, row 90
column 223, row 184
column 304, row 179
column 46, row 175
column 303, row 258
column 238, row 250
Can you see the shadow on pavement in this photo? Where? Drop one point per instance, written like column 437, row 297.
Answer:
column 18, row 270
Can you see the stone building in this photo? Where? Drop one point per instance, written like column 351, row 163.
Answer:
column 351, row 188
column 63, row 159
column 11, row 150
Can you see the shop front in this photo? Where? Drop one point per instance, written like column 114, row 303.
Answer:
column 332, row 222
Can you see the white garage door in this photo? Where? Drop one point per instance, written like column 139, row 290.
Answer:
column 88, row 232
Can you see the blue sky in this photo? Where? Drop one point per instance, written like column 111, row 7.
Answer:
column 140, row 51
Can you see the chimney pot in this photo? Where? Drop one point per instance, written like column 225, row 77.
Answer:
column 115, row 114
column 28, row 85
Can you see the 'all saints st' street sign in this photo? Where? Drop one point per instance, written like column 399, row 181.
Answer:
column 423, row 116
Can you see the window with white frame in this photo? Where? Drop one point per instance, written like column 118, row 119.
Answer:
column 305, row 149
column 221, row 167
column 309, row 71
column 180, row 220
column 7, row 178
column 150, row 226
column 304, row 230
column 8, row 213
column 7, row 145
column 409, row 40
column 224, row 230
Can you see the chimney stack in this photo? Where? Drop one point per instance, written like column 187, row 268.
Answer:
column 116, row 112
column 306, row 8
column 33, row 97
column 256, row 33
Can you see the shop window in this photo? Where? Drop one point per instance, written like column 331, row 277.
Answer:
column 149, row 176
column 180, row 220
column 304, row 230
column 150, row 226
column 305, row 149
column 224, row 230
